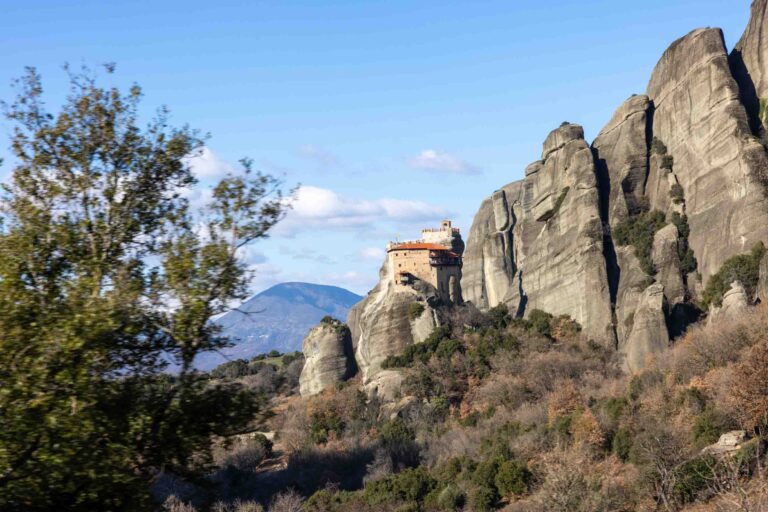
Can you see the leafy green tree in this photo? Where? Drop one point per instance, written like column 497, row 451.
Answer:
column 106, row 276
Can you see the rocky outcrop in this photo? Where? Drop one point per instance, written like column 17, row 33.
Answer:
column 699, row 117
column 748, row 62
column 538, row 243
column 667, row 262
column 329, row 358
column 729, row 442
column 383, row 325
column 621, row 148
column 648, row 334
column 735, row 301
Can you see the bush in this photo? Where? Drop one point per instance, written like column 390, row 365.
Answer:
column 688, row 261
column 744, row 268
column 512, row 478
column 499, row 316
column 415, row 309
column 325, row 423
column 395, row 432
column 638, row 231
column 621, row 445
column 451, row 498
column 409, row 486
column 483, row 499
column 420, row 351
column 541, row 322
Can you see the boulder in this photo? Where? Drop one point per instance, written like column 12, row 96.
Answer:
column 648, row 334
column 717, row 162
column 735, row 301
column 728, row 442
column 329, row 358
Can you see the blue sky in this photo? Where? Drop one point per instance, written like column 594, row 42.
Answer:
column 390, row 114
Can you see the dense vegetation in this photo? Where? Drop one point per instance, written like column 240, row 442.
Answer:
column 528, row 415
column 106, row 276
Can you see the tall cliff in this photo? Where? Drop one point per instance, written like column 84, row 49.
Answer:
column 623, row 235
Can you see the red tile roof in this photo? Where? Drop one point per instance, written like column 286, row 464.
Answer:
column 418, row 247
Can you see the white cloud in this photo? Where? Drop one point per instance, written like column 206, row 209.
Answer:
column 320, row 156
column 373, row 254
column 440, row 161
column 320, row 208
column 207, row 165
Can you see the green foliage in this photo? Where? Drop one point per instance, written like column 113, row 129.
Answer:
column 615, row 407
column 409, row 486
column 621, row 445
column 692, row 478
column 415, row 309
column 395, row 432
column 708, row 426
column 743, row 267
column 638, row 231
column 325, row 423
column 420, row 351
column 485, row 472
column 541, row 322
column 105, row 276
column 483, row 499
column 499, row 316
column 512, row 478
column 688, row 261
column 451, row 498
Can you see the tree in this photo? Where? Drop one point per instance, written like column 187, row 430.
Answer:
column 106, row 275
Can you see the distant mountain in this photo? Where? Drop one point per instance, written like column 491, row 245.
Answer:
column 278, row 319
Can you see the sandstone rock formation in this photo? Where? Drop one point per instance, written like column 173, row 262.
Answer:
column 735, row 300
column 762, row 284
column 329, row 357
column 648, row 334
column 667, row 262
column 538, row 244
column 699, row 116
column 685, row 149
column 381, row 326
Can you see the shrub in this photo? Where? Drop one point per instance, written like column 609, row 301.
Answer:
column 541, row 322
column 395, row 432
column 415, row 309
column 409, row 486
column 420, row 351
column 744, row 268
column 638, row 231
column 499, row 316
column 512, row 478
column 621, row 445
column 667, row 162
column 325, row 423
column 688, row 261
column 483, row 499
column 451, row 498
